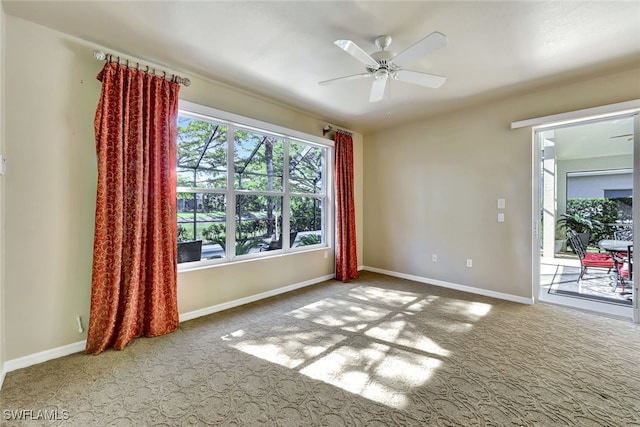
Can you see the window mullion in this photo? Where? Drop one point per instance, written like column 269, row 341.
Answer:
column 231, row 196
column 286, row 203
column 309, row 202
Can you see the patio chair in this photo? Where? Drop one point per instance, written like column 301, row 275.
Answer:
column 588, row 259
column 277, row 244
column 624, row 259
column 624, row 234
column 189, row 251
column 625, row 266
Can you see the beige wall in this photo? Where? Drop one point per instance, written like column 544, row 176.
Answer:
column 50, row 192
column 2, row 191
column 431, row 187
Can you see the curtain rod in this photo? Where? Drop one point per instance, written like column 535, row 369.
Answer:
column 101, row 56
column 328, row 128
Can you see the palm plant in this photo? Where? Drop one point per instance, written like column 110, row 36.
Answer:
column 244, row 244
column 578, row 223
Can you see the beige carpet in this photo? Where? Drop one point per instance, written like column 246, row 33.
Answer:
column 379, row 351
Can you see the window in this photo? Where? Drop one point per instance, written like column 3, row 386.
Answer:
column 245, row 191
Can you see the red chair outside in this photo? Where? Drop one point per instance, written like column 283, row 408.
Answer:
column 587, row 259
column 625, row 266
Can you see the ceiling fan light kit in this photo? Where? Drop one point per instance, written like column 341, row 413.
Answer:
column 384, row 63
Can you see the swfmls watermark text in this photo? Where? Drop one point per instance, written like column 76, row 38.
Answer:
column 35, row 415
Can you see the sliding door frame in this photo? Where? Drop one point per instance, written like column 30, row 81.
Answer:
column 624, row 109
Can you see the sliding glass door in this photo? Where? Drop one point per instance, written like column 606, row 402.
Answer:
column 584, row 181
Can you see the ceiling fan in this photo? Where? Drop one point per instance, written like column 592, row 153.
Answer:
column 629, row 135
column 386, row 64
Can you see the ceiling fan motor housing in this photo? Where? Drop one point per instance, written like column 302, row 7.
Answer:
column 384, row 59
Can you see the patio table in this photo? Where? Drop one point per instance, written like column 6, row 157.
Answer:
column 614, row 247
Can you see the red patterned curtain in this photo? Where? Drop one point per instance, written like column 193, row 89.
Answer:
column 133, row 290
column 346, row 249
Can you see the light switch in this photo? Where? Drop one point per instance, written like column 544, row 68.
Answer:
column 500, row 217
column 501, row 203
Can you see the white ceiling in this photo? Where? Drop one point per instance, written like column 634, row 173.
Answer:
column 281, row 50
column 603, row 138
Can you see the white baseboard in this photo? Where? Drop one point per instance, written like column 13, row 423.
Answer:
column 43, row 356
column 463, row 288
column 65, row 350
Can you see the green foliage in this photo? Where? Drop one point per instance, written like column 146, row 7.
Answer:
column 310, row 239
column 258, row 165
column 215, row 233
column 578, row 223
column 245, row 244
column 625, row 205
column 306, row 213
column 202, row 153
column 305, row 168
column 258, row 161
column 255, row 227
column 596, row 216
column 183, row 234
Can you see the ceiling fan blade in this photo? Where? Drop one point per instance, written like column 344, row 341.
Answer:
column 377, row 89
column 346, row 78
column 354, row 50
column 621, row 136
column 431, row 43
column 417, row 78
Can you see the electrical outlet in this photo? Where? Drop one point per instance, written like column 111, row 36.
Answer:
column 469, row 263
column 434, row 257
column 501, row 203
column 326, row 254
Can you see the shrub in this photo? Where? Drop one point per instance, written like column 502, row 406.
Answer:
column 603, row 213
column 310, row 239
column 183, row 234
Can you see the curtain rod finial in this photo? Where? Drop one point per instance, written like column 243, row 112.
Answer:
column 99, row 55
column 326, row 129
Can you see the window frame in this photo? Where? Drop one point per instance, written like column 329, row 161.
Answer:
column 233, row 122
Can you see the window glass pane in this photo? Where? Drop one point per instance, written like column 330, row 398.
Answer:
column 258, row 223
column 201, row 224
column 258, row 161
column 306, row 164
column 306, row 220
column 207, row 149
column 202, row 154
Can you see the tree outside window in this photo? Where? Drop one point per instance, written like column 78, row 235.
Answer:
column 267, row 179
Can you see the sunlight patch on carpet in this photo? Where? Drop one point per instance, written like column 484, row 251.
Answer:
column 289, row 347
column 375, row 371
column 380, row 344
column 471, row 309
column 389, row 297
column 392, row 356
column 399, row 330
column 345, row 314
